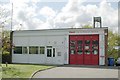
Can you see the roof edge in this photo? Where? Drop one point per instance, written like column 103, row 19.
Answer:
column 59, row 29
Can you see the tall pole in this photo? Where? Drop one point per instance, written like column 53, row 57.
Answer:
column 12, row 17
column 11, row 33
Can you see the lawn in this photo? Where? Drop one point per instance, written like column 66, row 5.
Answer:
column 0, row 72
column 21, row 70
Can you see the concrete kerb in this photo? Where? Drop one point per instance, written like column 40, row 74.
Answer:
column 40, row 70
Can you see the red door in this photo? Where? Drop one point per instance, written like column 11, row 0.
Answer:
column 72, row 49
column 79, row 49
column 87, row 50
column 84, row 49
column 95, row 49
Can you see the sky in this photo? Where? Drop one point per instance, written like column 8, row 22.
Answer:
column 51, row 14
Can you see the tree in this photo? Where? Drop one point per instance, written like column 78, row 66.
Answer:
column 6, row 46
column 113, row 41
column 5, row 35
column 86, row 26
column 6, row 41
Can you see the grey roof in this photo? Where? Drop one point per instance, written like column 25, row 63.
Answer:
column 60, row 29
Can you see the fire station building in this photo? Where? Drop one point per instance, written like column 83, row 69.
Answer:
column 78, row 46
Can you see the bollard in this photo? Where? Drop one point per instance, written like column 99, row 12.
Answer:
column 6, row 64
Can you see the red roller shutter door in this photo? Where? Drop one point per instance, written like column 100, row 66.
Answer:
column 84, row 49
column 87, row 50
column 95, row 49
column 79, row 49
column 72, row 49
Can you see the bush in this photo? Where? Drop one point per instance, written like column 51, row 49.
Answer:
column 113, row 53
column 6, row 57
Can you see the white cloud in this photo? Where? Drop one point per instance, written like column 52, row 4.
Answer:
column 73, row 14
column 71, row 6
column 47, row 12
column 35, row 1
column 25, row 15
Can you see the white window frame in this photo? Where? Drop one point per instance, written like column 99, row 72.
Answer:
column 34, row 46
column 39, row 49
column 22, row 50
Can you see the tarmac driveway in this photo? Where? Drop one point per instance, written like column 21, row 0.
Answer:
column 73, row 71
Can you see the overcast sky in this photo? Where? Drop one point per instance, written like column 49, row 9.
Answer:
column 47, row 14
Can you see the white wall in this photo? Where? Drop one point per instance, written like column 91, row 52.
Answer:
column 102, row 49
column 58, row 39
column 20, row 58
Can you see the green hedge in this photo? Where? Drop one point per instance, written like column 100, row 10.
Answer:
column 6, row 57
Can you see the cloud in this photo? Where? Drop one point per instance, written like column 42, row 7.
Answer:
column 75, row 13
column 47, row 12
column 28, row 15
column 25, row 16
column 71, row 6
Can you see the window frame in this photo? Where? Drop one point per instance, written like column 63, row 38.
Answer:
column 26, row 49
column 79, row 42
column 40, row 49
column 49, row 53
column 79, row 52
column 86, row 42
column 94, row 52
column 96, row 42
column 54, row 51
column 72, row 51
column 88, row 52
column 72, row 42
column 34, row 47
column 17, row 52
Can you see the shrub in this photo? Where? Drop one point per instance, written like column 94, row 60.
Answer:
column 6, row 57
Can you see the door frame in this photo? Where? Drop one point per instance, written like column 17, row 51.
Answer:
column 49, row 60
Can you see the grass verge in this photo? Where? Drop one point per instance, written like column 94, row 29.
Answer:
column 21, row 70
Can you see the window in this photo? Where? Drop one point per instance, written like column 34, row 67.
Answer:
column 42, row 50
column 87, row 52
column 95, row 47
column 49, row 52
column 72, row 47
column 95, row 42
column 87, row 47
column 53, row 52
column 72, row 42
column 49, row 46
column 18, row 50
column 72, row 52
column 87, row 42
column 95, row 52
column 79, row 51
column 79, row 47
column 33, row 50
column 79, row 42
column 24, row 50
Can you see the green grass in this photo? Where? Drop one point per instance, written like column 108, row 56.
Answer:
column 21, row 70
column 0, row 75
column 0, row 71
